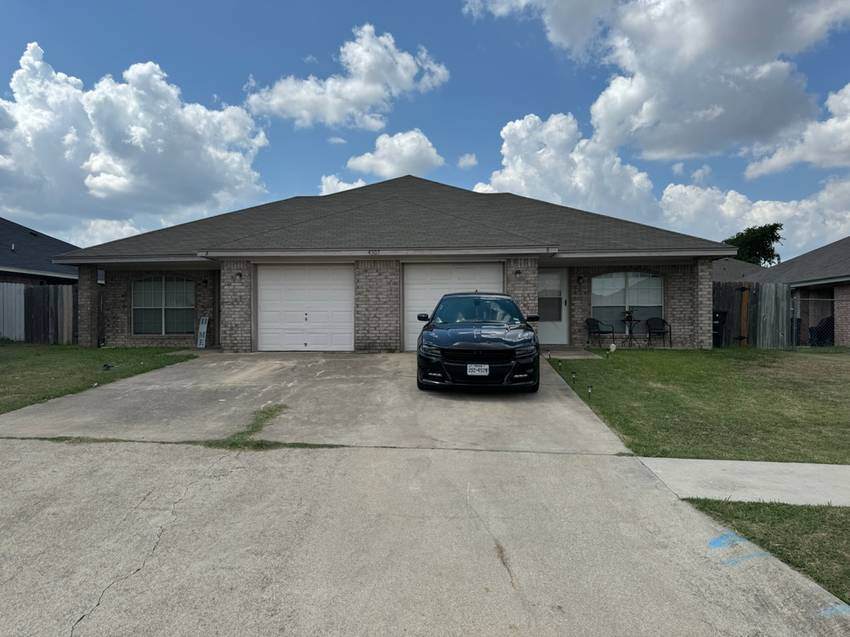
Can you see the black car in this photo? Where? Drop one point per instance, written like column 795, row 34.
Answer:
column 478, row 340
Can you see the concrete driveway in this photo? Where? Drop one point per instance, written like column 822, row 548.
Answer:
column 550, row 532
column 347, row 399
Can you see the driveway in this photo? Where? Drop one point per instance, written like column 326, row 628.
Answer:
column 347, row 399
column 462, row 527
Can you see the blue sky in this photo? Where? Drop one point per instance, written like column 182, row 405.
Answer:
column 669, row 142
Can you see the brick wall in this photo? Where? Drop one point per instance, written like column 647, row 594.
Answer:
column 118, row 308
column 236, row 305
column 841, row 300
column 687, row 299
column 377, row 305
column 87, row 304
column 521, row 282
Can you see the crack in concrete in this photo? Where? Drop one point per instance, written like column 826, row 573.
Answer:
column 160, row 532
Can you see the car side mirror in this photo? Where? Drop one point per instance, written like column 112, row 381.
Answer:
column 423, row 317
column 532, row 318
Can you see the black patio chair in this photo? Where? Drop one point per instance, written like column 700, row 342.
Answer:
column 657, row 326
column 598, row 329
column 823, row 334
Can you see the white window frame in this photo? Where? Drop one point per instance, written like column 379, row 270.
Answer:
column 626, row 305
column 162, row 307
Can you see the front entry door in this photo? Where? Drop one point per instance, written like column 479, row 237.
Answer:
column 552, row 306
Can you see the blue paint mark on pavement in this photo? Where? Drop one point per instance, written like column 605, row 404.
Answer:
column 835, row 610
column 734, row 561
column 725, row 540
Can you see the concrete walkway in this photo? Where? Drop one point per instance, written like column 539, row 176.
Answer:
column 788, row 482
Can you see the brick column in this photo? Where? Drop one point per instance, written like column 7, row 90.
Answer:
column 521, row 282
column 377, row 305
column 87, row 306
column 236, row 299
column 841, row 312
column 703, row 305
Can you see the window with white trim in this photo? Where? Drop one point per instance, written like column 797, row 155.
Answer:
column 614, row 293
column 164, row 305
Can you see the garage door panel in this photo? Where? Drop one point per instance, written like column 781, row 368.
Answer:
column 323, row 295
column 426, row 283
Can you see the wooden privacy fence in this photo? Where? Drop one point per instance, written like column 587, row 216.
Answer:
column 750, row 314
column 38, row 313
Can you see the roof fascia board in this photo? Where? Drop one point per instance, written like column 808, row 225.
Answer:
column 137, row 259
column 702, row 252
column 834, row 279
column 58, row 275
column 382, row 252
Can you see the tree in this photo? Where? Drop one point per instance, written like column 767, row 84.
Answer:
column 756, row 243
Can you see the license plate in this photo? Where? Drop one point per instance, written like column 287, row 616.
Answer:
column 477, row 370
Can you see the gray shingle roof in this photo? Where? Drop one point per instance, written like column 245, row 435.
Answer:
column 406, row 212
column 33, row 250
column 831, row 261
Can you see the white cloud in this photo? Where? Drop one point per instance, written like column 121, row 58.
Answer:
column 467, row 160
column 678, row 168
column 331, row 184
column 570, row 24
column 376, row 72
column 701, row 174
column 550, row 160
column 118, row 151
column 695, row 77
column 95, row 231
column 716, row 213
column 337, row 140
column 825, row 144
column 410, row 152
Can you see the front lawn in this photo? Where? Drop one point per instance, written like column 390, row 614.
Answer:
column 34, row 373
column 732, row 404
column 812, row 539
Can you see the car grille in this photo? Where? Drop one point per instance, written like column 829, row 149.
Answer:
column 478, row 355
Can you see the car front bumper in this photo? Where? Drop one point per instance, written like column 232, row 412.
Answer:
column 517, row 373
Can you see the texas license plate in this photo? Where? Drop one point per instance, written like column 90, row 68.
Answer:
column 477, row 370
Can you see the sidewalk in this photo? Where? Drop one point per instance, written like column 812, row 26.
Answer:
column 788, row 482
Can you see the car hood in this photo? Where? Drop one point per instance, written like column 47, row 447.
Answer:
column 478, row 335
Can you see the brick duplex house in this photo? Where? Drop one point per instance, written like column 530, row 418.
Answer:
column 350, row 271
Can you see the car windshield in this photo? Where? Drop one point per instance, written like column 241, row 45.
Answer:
column 476, row 309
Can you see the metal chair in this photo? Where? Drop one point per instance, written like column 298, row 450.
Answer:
column 657, row 326
column 597, row 328
column 823, row 334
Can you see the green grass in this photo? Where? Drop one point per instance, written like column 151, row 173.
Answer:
column 35, row 373
column 726, row 404
column 242, row 439
column 813, row 539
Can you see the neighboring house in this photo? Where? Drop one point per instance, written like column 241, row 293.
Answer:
column 350, row 271
column 820, row 283
column 26, row 256
column 729, row 270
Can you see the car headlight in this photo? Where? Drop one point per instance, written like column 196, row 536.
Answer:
column 522, row 352
column 429, row 350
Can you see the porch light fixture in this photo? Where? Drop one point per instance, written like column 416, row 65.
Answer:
column 517, row 273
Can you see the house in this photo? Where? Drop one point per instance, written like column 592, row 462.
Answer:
column 729, row 270
column 26, row 256
column 820, row 284
column 351, row 270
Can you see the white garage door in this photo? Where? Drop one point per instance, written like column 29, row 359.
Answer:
column 305, row 307
column 425, row 283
